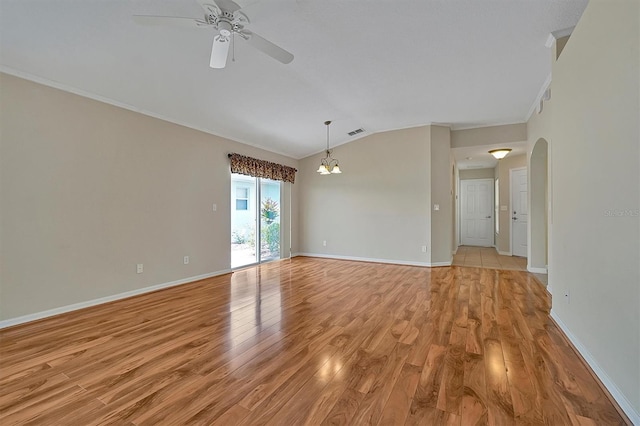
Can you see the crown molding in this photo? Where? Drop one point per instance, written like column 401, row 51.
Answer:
column 555, row 35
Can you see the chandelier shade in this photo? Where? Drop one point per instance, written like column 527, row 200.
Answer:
column 500, row 153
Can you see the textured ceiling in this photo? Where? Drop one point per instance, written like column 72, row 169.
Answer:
column 375, row 64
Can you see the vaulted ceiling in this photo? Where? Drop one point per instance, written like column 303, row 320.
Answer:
column 372, row 64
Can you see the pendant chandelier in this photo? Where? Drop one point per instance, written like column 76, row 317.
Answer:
column 328, row 164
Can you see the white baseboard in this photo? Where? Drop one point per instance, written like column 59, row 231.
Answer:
column 622, row 401
column 536, row 270
column 438, row 264
column 504, row 253
column 367, row 259
column 81, row 305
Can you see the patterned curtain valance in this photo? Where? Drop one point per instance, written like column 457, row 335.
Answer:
column 262, row 169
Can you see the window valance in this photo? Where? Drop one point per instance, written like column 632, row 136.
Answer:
column 262, row 169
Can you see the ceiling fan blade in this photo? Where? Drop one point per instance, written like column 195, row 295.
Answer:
column 265, row 46
column 209, row 6
column 219, row 51
column 225, row 5
column 169, row 20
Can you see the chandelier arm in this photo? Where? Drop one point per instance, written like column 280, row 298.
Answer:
column 328, row 164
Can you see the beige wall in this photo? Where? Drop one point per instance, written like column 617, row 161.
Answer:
column 378, row 208
column 454, row 205
column 538, row 201
column 89, row 190
column 441, row 194
column 491, row 135
column 595, row 242
column 503, row 239
column 539, row 174
column 477, row 174
column 381, row 207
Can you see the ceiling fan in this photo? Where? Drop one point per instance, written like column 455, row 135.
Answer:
column 228, row 20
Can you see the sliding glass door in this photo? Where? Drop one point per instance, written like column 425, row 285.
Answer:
column 255, row 220
column 269, row 219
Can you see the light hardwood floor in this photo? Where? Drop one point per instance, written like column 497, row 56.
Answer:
column 307, row 341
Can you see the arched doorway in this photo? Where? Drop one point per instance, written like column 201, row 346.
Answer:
column 539, row 211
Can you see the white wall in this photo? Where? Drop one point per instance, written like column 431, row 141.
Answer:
column 89, row 190
column 595, row 241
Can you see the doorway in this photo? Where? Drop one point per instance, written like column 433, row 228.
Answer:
column 255, row 220
column 539, row 208
column 476, row 212
column 519, row 211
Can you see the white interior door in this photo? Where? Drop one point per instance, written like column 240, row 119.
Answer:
column 520, row 212
column 476, row 212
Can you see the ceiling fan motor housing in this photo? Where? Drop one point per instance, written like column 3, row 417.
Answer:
column 225, row 28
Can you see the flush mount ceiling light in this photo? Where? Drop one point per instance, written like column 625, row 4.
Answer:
column 328, row 164
column 500, row 153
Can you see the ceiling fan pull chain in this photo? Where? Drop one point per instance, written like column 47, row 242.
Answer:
column 233, row 46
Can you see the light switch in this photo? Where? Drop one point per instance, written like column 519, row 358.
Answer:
column 436, row 207
column 215, row 207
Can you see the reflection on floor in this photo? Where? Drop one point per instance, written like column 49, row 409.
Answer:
column 307, row 341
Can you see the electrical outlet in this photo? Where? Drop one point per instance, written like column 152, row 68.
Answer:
column 139, row 268
column 424, row 249
column 324, row 243
column 436, row 207
column 186, row 260
column 567, row 296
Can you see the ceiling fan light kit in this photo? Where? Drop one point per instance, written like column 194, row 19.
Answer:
column 500, row 153
column 226, row 18
column 328, row 165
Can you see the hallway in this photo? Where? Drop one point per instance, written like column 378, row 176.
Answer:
column 488, row 257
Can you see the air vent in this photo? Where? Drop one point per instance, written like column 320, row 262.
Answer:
column 356, row 131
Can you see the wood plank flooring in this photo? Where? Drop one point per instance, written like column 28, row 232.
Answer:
column 307, row 342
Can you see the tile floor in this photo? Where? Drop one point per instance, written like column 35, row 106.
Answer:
column 488, row 257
